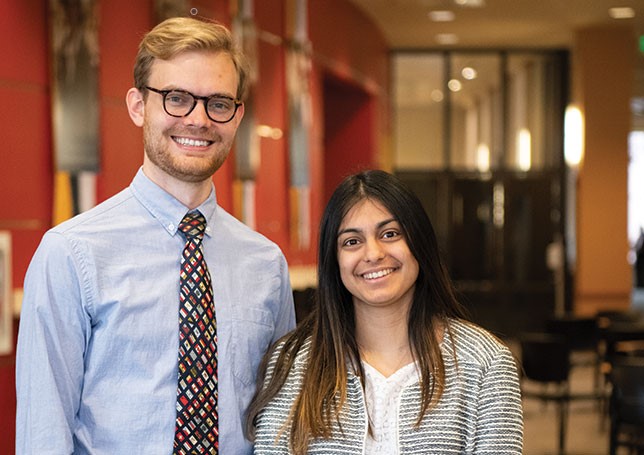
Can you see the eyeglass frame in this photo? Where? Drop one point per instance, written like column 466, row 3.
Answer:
column 196, row 99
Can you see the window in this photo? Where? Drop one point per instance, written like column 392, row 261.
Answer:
column 479, row 111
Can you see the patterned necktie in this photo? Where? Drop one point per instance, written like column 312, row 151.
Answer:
column 196, row 430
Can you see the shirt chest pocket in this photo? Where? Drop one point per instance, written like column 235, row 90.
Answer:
column 252, row 333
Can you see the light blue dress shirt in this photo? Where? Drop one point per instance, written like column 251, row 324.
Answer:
column 97, row 347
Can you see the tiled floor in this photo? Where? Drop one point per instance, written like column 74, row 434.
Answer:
column 587, row 431
column 588, row 424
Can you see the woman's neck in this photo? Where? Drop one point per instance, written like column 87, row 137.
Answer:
column 383, row 339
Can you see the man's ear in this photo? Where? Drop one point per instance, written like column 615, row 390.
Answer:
column 240, row 114
column 135, row 106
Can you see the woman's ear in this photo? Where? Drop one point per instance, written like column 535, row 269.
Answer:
column 135, row 106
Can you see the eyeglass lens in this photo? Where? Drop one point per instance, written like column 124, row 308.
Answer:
column 220, row 109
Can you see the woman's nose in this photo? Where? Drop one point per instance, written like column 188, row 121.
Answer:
column 373, row 250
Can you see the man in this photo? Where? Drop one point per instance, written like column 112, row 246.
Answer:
column 106, row 317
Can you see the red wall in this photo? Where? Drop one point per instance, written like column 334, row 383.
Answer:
column 350, row 44
column 121, row 147
column 349, row 50
column 349, row 122
column 25, row 170
column 25, row 167
column 345, row 45
column 271, row 196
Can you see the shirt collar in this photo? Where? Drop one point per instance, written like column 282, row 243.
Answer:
column 165, row 208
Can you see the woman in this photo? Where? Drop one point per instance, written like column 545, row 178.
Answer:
column 386, row 362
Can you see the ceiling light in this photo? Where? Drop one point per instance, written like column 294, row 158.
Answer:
column 621, row 12
column 454, row 85
column 469, row 73
column 441, row 16
column 437, row 95
column 446, row 38
column 471, row 3
column 524, row 152
column 483, row 157
column 573, row 136
column 637, row 106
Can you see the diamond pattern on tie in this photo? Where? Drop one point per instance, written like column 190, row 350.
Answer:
column 196, row 430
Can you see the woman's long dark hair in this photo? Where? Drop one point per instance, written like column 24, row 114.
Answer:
column 330, row 326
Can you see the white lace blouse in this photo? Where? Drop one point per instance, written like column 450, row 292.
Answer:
column 381, row 396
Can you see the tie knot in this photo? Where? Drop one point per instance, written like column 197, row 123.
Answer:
column 193, row 225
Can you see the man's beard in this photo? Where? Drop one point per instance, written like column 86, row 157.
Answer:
column 197, row 169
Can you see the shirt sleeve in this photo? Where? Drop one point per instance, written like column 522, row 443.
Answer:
column 285, row 316
column 500, row 414
column 51, row 341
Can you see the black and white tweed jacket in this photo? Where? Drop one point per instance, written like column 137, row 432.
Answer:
column 479, row 413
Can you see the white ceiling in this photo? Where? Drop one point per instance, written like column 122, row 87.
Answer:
column 507, row 24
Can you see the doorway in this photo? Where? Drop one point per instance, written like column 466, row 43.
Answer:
column 349, row 131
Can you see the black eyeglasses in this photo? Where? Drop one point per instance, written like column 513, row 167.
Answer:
column 180, row 103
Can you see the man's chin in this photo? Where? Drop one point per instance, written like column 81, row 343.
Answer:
column 193, row 175
column 192, row 169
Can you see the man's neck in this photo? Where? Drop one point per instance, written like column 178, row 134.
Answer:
column 190, row 194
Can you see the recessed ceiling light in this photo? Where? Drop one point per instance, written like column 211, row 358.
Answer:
column 471, row 3
column 441, row 16
column 469, row 73
column 454, row 85
column 621, row 12
column 446, row 38
column 437, row 95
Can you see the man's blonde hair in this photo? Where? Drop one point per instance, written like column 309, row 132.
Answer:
column 180, row 34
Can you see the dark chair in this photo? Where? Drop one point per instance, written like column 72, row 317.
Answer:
column 582, row 336
column 618, row 325
column 633, row 348
column 606, row 317
column 581, row 333
column 545, row 358
column 617, row 331
column 627, row 404
column 303, row 301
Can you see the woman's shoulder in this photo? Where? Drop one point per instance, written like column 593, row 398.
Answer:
column 473, row 343
column 285, row 348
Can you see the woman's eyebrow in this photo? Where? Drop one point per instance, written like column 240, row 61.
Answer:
column 356, row 230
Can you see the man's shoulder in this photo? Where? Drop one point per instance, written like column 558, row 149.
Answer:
column 110, row 209
column 239, row 232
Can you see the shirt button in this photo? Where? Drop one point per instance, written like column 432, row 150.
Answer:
column 171, row 227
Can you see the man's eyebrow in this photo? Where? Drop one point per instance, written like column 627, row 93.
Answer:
column 212, row 95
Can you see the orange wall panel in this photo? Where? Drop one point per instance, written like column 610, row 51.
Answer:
column 604, row 81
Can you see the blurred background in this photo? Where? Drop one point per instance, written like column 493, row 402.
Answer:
column 519, row 124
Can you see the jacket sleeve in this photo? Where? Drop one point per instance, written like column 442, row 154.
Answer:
column 500, row 414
